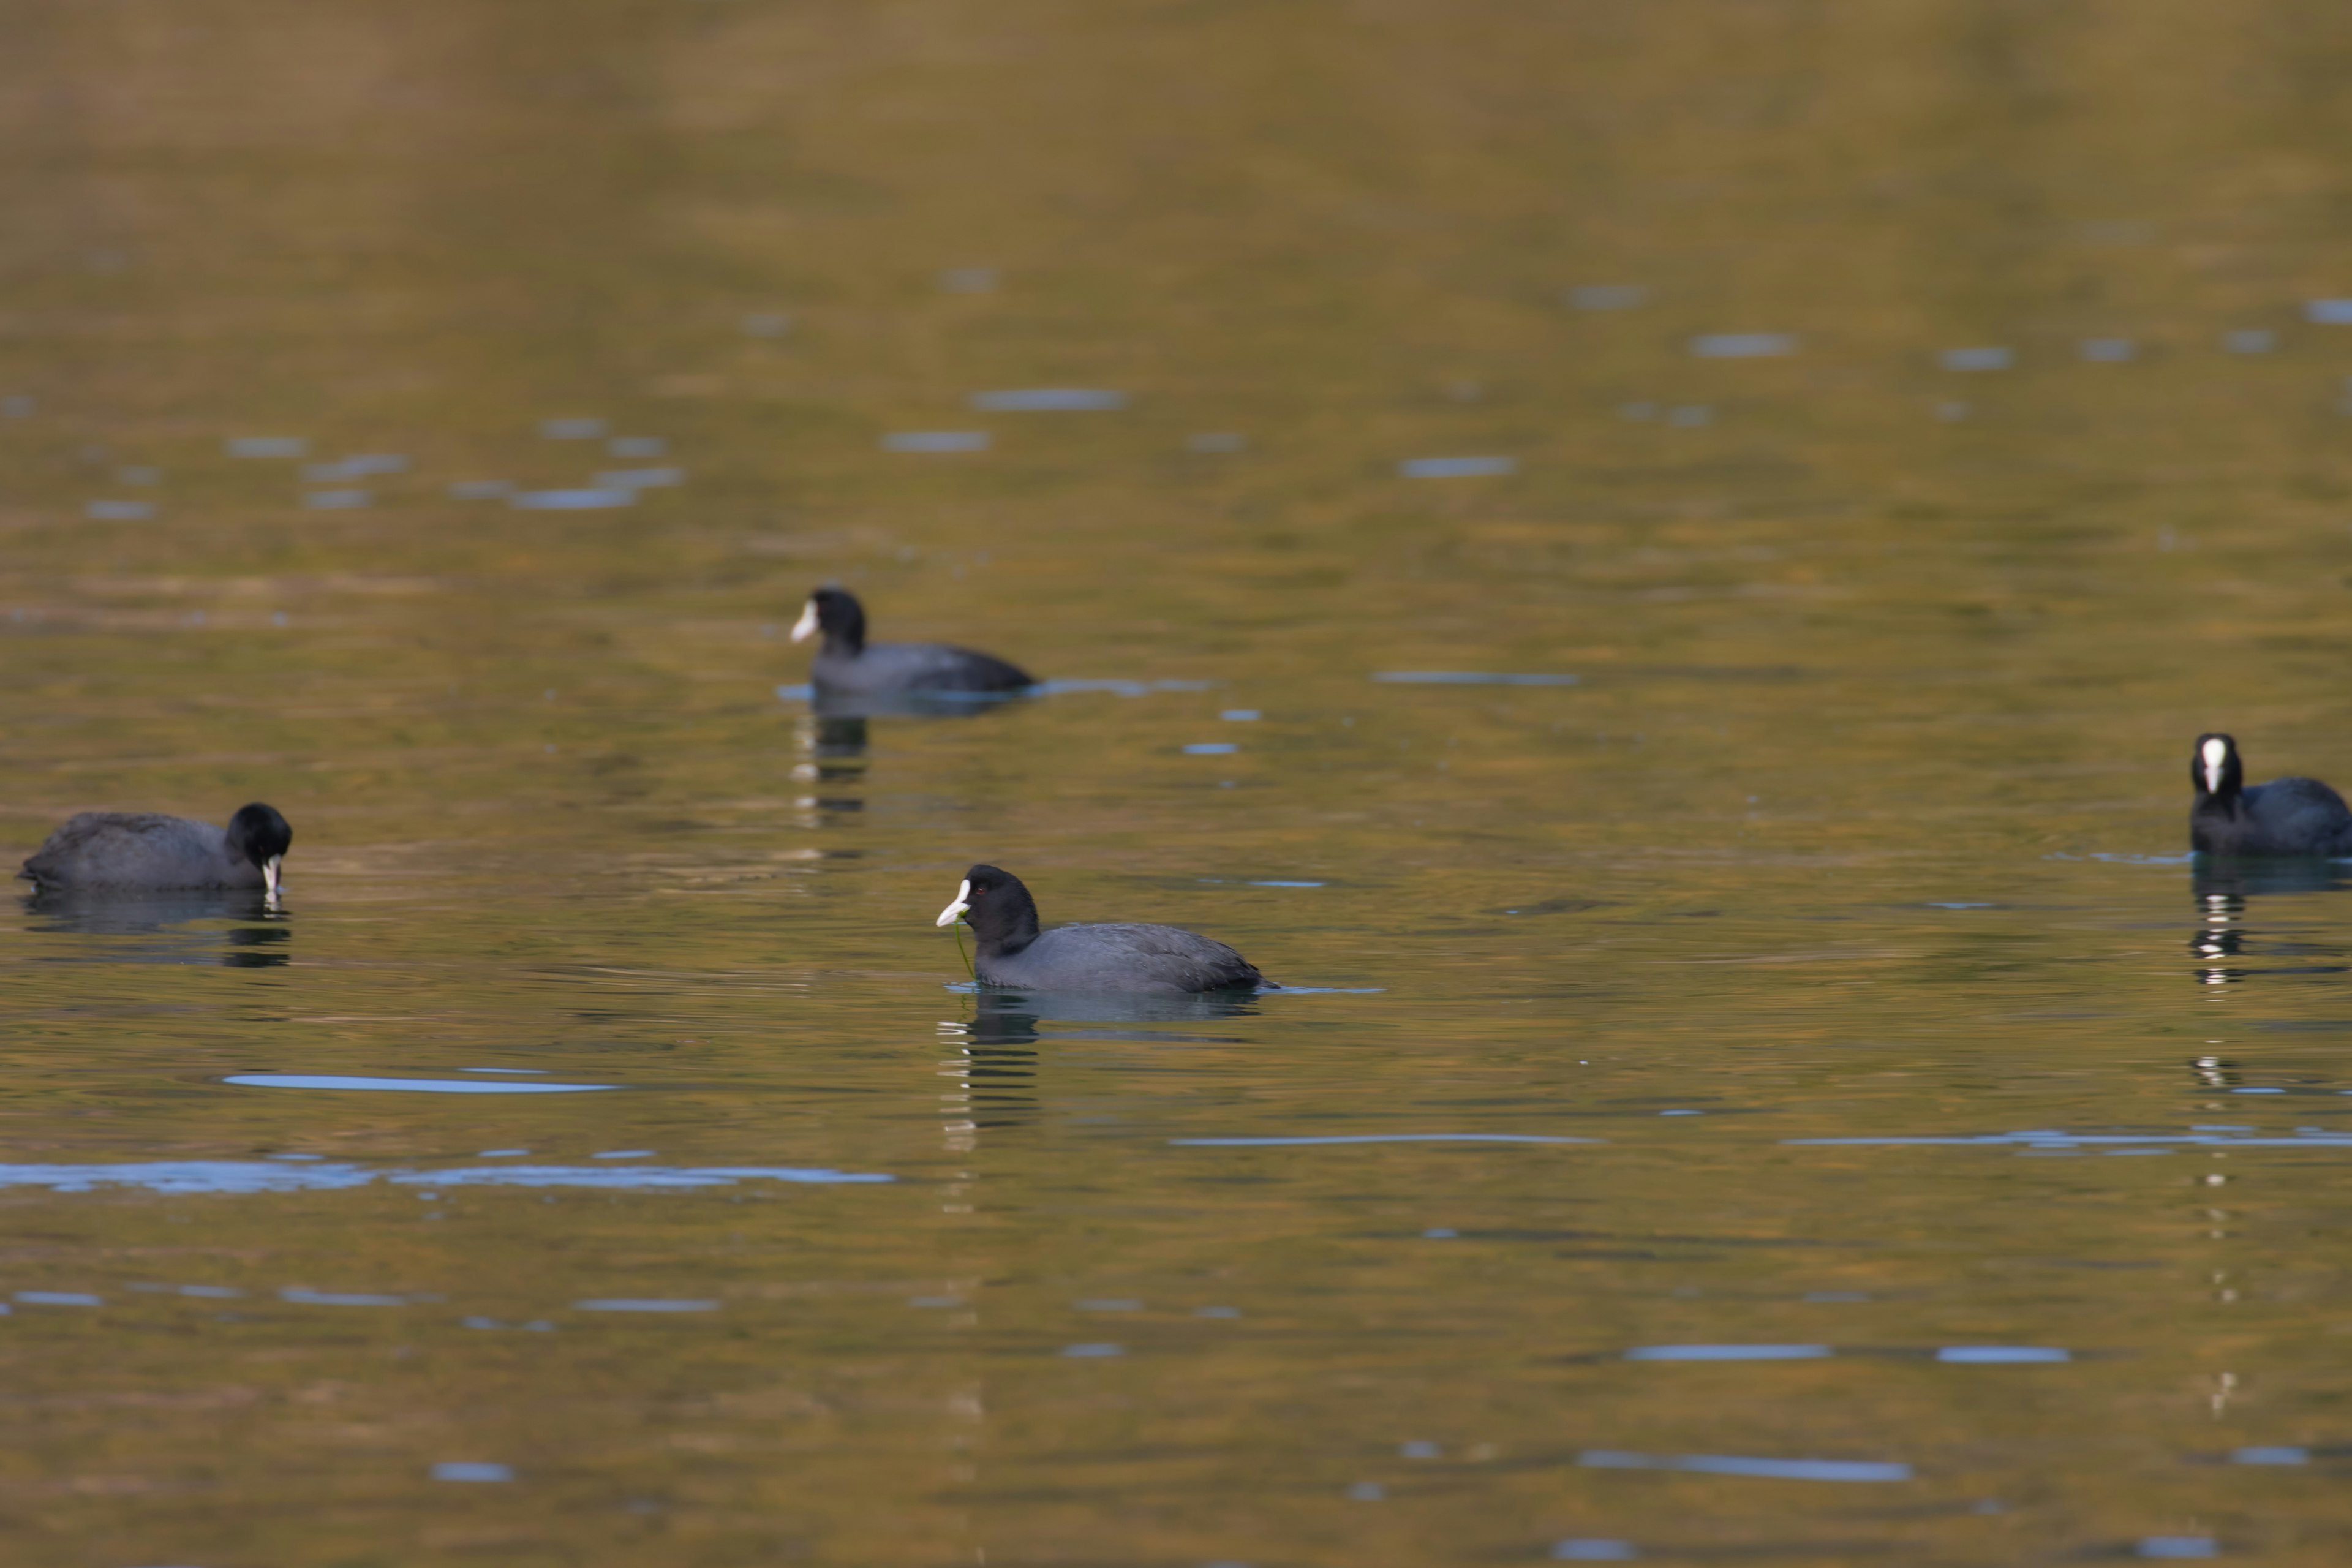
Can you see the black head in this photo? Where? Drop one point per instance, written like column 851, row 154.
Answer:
column 258, row 834
column 837, row 614
column 2215, row 768
column 1002, row 914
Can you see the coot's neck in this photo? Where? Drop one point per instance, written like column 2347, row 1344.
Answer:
column 2222, row 802
column 846, row 638
column 1009, row 929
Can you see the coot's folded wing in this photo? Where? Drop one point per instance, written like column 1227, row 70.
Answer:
column 1184, row 959
column 129, row 850
column 2301, row 816
column 940, row 666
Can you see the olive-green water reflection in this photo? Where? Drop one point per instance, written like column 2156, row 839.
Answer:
column 1909, row 425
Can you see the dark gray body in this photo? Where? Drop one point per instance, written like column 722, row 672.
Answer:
column 139, row 850
column 2282, row 818
column 886, row 668
column 1101, row 958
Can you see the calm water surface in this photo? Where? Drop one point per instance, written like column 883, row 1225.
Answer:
column 1779, row 1094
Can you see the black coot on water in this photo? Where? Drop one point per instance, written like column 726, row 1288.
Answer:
column 144, row 851
column 2284, row 817
column 846, row 665
column 1014, row 952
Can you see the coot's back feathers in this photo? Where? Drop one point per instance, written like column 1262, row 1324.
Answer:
column 1122, row 957
column 145, row 849
column 847, row 664
column 2283, row 818
column 1014, row 952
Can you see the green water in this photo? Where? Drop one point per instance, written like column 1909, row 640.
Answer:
column 1862, row 820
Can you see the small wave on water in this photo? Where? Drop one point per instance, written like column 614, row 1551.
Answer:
column 1377, row 1138
column 406, row 1085
column 2112, row 1143
column 187, row 1176
column 1743, row 1465
column 1472, row 678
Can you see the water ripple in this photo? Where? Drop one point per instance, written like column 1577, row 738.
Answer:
column 179, row 1176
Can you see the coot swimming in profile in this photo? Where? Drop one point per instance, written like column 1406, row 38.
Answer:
column 142, row 850
column 2284, row 817
column 1014, row 952
column 847, row 664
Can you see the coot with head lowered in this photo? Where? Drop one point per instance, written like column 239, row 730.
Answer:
column 143, row 850
column 1014, row 952
column 846, row 665
column 2285, row 817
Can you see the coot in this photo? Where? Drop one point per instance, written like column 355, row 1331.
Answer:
column 143, row 850
column 847, row 664
column 2283, row 818
column 1012, row 951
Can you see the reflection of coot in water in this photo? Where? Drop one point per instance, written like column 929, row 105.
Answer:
column 1001, row 1061
column 2223, row 888
column 1092, row 959
column 840, row 737
column 2242, row 880
column 2289, row 816
column 851, row 677
column 259, row 945
column 1013, row 1017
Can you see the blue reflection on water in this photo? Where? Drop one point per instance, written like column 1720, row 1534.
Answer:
column 302, row 1296
column 1455, row 468
column 1048, row 399
column 470, row 1471
column 410, row 1085
column 1471, row 677
column 936, row 441
column 1728, row 1352
column 1117, row 687
column 2271, row 1457
column 59, row 1298
column 261, row 1177
column 357, row 466
column 266, row 447
column 1977, row 359
column 582, row 499
column 2038, row 1142
column 1593, row 1549
column 1741, row 1465
column 1743, row 345
column 1378, row 1138
column 643, row 1304
column 1991, row 1355
column 2177, row 1546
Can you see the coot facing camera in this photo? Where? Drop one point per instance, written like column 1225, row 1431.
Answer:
column 847, row 664
column 1012, row 951
column 2285, row 817
column 144, row 851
